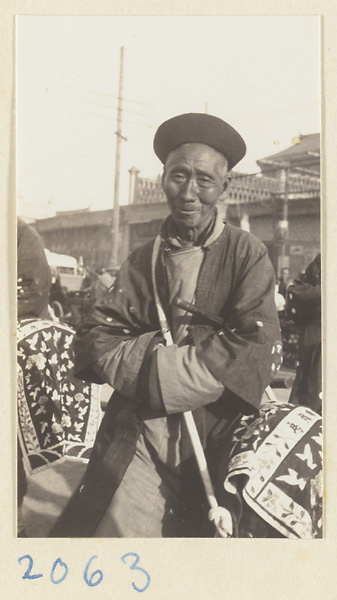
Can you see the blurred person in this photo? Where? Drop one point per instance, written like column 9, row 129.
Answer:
column 104, row 281
column 88, row 279
column 284, row 281
column 33, row 286
column 57, row 413
column 33, row 273
column 279, row 300
column 303, row 307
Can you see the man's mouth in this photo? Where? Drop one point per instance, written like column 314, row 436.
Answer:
column 187, row 211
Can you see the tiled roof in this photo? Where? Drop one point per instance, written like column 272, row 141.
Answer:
column 303, row 148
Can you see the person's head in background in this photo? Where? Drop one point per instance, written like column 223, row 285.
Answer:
column 33, row 273
column 285, row 274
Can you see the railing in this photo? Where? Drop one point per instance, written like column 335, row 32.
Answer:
column 250, row 188
column 243, row 188
column 148, row 191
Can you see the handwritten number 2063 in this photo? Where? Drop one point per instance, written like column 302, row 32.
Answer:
column 60, row 570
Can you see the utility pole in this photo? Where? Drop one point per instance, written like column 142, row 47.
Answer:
column 284, row 224
column 115, row 238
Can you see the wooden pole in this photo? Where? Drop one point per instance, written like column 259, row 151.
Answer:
column 284, row 223
column 115, row 234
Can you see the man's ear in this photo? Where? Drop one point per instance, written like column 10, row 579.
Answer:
column 224, row 188
column 226, row 182
column 162, row 176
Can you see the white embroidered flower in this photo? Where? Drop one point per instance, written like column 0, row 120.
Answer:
column 79, row 397
column 56, row 428
column 66, row 421
column 82, row 411
column 68, row 340
column 40, row 361
column 30, row 362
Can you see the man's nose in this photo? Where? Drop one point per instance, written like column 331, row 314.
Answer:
column 189, row 191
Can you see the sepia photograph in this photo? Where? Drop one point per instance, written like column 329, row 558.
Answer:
column 168, row 183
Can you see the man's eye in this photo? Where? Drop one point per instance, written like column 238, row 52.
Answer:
column 204, row 181
column 178, row 177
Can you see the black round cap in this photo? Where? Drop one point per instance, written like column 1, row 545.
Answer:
column 199, row 128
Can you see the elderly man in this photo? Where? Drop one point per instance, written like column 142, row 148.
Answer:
column 142, row 479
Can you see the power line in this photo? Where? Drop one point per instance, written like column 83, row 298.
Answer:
column 124, row 110
column 118, row 98
column 124, row 122
column 277, row 112
column 59, row 160
column 139, row 124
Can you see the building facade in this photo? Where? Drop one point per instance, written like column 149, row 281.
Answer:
column 280, row 205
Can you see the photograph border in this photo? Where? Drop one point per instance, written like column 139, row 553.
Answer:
column 197, row 567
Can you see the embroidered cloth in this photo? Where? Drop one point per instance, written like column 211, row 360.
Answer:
column 58, row 414
column 276, row 463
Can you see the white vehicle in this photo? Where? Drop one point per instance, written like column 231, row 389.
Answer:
column 65, row 269
column 66, row 277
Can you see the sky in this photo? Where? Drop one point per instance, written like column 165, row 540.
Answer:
column 260, row 74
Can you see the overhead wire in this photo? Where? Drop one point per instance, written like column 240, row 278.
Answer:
column 278, row 112
column 59, row 161
column 124, row 122
column 118, row 98
column 139, row 124
column 125, row 110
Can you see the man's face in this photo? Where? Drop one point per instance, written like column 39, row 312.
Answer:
column 195, row 175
